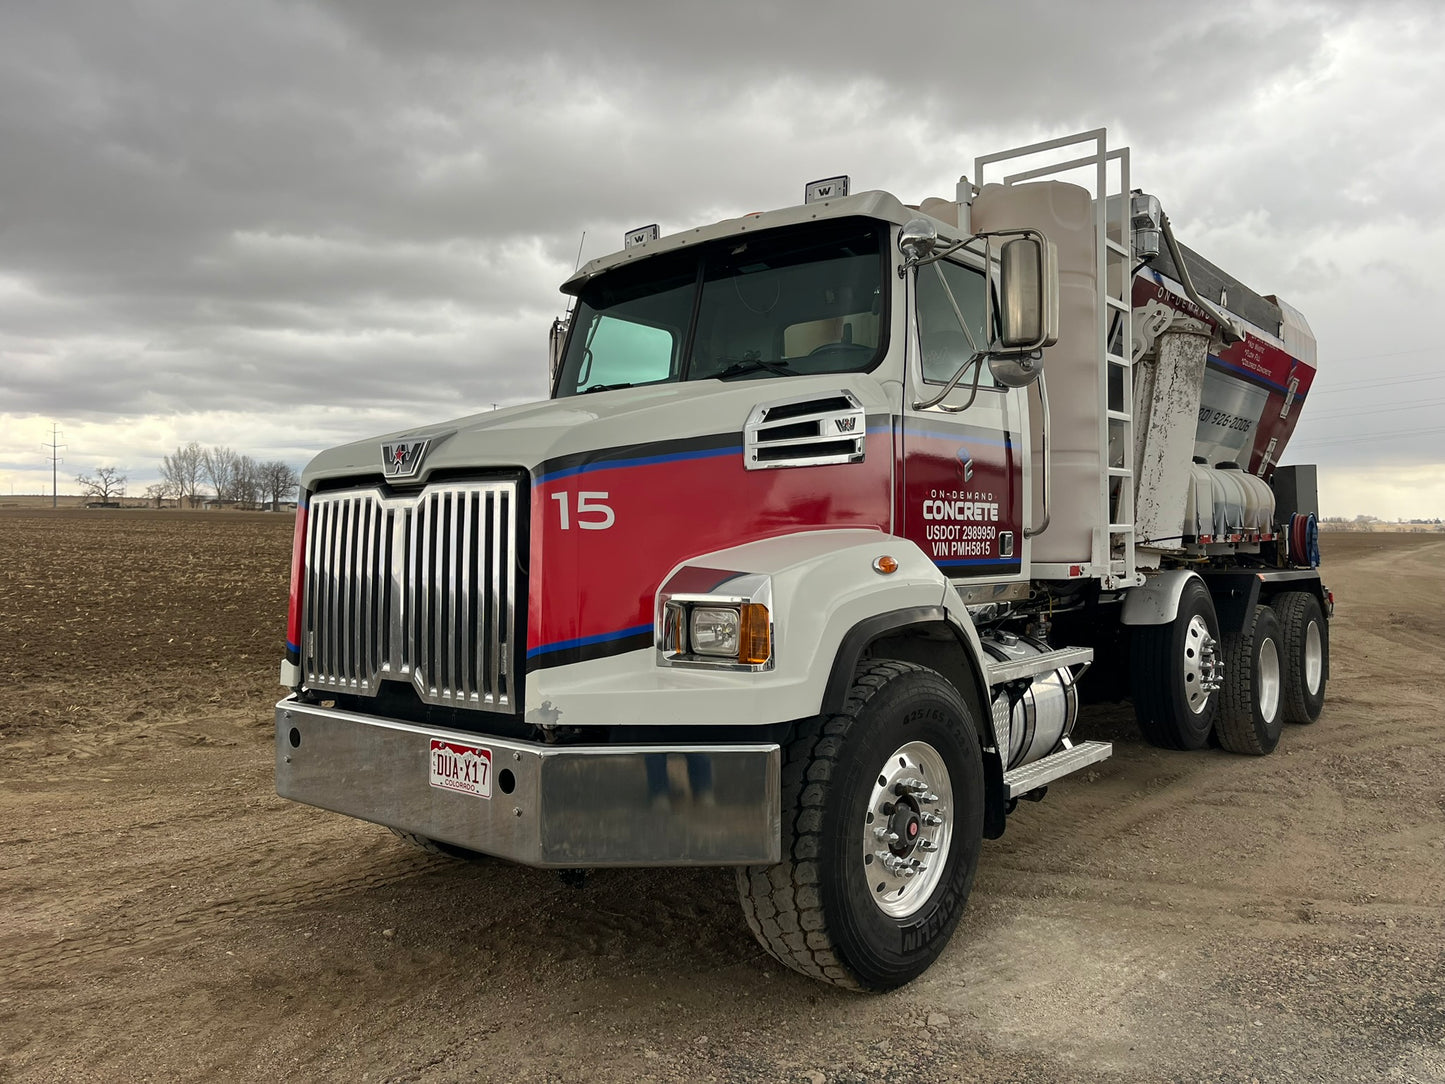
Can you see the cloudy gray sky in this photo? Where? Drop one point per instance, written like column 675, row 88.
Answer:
column 280, row 225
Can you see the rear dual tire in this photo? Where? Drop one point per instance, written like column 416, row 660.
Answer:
column 1251, row 715
column 1305, row 641
column 1173, row 670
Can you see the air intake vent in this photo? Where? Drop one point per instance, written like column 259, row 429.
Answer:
column 805, row 432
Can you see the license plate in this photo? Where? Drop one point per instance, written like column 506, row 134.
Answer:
column 466, row 769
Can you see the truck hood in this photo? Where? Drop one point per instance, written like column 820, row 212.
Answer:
column 529, row 436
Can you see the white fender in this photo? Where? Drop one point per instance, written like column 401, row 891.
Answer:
column 1157, row 601
column 823, row 584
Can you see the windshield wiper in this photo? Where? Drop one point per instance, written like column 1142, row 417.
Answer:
column 602, row 387
column 753, row 365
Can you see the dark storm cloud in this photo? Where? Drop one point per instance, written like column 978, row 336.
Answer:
column 284, row 208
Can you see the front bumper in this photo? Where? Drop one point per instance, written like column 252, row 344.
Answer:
column 550, row 805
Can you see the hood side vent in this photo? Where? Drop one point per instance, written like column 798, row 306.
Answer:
column 805, row 432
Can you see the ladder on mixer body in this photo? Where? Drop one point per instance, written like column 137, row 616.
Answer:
column 1112, row 560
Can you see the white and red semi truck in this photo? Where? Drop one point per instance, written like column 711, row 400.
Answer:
column 799, row 568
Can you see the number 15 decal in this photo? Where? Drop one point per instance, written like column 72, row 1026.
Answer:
column 588, row 505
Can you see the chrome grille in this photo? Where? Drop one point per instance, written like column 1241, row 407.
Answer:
column 420, row 588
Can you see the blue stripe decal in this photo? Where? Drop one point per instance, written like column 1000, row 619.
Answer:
column 979, row 561
column 587, row 641
column 1258, row 378
column 617, row 464
column 292, row 647
column 959, row 435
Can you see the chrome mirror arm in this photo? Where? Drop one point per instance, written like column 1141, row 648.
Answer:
column 977, row 361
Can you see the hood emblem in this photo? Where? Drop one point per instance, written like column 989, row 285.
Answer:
column 402, row 458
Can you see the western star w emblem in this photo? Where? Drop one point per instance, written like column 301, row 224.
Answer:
column 845, row 425
column 403, row 459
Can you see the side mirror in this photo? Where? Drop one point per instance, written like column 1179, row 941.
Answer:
column 556, row 339
column 1028, row 295
column 1028, row 310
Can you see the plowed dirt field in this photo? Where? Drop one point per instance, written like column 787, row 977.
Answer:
column 1164, row 917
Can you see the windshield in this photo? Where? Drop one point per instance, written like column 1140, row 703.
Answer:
column 805, row 299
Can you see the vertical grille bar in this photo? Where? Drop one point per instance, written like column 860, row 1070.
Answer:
column 494, row 626
column 424, row 613
column 346, row 671
column 452, row 675
column 365, row 573
column 467, row 617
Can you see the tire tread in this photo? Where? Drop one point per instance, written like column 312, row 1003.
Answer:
column 1235, row 723
column 782, row 903
column 1294, row 608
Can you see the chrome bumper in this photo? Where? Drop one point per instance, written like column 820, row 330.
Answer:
column 561, row 806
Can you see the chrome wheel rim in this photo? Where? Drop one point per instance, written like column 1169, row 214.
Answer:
column 1314, row 658
column 1201, row 664
column 1269, row 682
column 907, row 829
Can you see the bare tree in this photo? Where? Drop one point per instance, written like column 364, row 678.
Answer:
column 107, row 484
column 158, row 492
column 182, row 472
column 246, row 484
column 278, row 482
column 220, row 465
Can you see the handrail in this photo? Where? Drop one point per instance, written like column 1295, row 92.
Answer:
column 1034, row 532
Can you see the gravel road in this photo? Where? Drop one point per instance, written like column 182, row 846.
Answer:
column 1164, row 917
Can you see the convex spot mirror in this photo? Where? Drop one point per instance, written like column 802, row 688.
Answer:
column 917, row 239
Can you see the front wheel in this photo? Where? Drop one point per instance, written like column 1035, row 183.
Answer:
column 882, row 828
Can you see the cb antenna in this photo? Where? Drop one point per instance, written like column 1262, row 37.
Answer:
column 579, row 252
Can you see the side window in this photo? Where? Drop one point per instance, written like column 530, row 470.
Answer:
column 625, row 352
column 946, row 344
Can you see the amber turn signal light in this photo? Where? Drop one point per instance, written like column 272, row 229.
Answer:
column 755, row 640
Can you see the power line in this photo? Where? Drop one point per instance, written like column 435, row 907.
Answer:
column 1392, row 354
column 1376, row 383
column 1369, row 436
column 1381, row 410
column 55, row 462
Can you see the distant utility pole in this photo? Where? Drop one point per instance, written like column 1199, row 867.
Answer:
column 55, row 462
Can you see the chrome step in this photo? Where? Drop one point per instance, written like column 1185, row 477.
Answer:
column 1032, row 776
column 1000, row 673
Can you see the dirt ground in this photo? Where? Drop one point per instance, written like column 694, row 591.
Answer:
column 1166, row 917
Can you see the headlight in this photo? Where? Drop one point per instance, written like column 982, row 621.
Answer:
column 715, row 631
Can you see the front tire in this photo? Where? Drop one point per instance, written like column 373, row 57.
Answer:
column 1250, row 716
column 1305, row 641
column 1174, row 673
column 882, row 828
